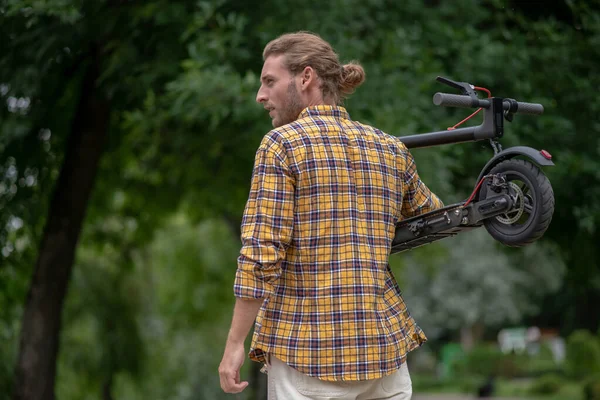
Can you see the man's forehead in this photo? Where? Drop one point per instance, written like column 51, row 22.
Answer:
column 274, row 66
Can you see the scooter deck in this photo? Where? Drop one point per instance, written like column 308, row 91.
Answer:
column 430, row 227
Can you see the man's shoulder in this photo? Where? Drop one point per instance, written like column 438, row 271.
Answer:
column 384, row 138
column 284, row 135
column 277, row 136
column 279, row 140
column 289, row 135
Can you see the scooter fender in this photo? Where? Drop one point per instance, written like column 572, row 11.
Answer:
column 511, row 152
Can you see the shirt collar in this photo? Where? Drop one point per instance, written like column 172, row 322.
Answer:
column 324, row 111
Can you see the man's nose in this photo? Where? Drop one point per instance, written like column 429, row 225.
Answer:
column 261, row 97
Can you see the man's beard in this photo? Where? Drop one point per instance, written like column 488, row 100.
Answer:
column 292, row 108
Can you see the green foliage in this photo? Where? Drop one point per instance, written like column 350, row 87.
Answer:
column 583, row 354
column 150, row 292
column 152, row 323
column 101, row 336
column 187, row 273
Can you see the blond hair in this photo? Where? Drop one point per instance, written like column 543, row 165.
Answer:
column 303, row 49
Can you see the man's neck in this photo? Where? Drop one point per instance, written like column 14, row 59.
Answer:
column 320, row 102
column 316, row 99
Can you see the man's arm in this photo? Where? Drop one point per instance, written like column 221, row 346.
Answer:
column 267, row 228
column 244, row 314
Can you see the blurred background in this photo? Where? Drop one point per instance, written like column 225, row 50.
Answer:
column 127, row 136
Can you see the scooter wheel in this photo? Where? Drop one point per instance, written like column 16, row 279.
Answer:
column 534, row 204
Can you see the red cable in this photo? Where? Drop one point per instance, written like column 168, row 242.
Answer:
column 479, row 109
column 482, row 89
column 475, row 191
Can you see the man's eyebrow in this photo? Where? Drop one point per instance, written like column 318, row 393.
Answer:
column 266, row 77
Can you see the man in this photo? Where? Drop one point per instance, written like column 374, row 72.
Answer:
column 325, row 197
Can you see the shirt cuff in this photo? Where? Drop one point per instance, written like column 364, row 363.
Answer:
column 248, row 285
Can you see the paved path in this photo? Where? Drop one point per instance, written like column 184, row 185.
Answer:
column 439, row 397
column 456, row 397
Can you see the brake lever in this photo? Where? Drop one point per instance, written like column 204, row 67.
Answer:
column 465, row 87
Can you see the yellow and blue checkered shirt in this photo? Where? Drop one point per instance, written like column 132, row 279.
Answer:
column 325, row 197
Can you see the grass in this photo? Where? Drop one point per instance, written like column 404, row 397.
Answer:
column 521, row 389
column 514, row 388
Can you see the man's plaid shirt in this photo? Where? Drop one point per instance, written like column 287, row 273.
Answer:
column 325, row 197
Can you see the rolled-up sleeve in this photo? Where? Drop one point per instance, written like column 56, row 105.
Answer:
column 417, row 198
column 267, row 225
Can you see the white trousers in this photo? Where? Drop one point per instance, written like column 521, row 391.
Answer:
column 286, row 383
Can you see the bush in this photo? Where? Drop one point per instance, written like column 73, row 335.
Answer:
column 547, row 384
column 488, row 360
column 481, row 360
column 583, row 354
column 542, row 363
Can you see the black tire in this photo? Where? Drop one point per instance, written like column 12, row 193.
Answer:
column 536, row 204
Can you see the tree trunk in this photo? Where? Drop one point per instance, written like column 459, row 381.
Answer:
column 35, row 371
column 107, row 387
column 470, row 335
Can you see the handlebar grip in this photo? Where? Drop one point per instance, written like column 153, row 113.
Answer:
column 528, row 108
column 456, row 100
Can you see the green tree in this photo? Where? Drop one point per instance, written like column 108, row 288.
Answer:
column 73, row 86
column 123, row 112
column 472, row 284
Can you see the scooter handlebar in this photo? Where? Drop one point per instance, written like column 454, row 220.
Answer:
column 455, row 100
column 528, row 108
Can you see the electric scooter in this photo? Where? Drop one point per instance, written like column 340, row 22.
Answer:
column 512, row 199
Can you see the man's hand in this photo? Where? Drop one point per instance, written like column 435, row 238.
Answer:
column 244, row 314
column 229, row 369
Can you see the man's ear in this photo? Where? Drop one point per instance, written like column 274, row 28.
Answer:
column 308, row 75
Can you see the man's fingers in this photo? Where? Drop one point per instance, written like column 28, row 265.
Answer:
column 238, row 387
column 223, row 381
column 229, row 370
column 230, row 385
